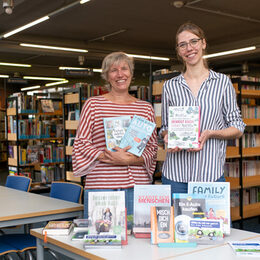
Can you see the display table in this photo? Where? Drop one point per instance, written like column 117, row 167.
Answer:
column 19, row 207
column 141, row 249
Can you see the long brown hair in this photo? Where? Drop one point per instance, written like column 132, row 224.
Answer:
column 195, row 29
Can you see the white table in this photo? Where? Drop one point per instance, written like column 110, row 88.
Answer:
column 141, row 249
column 19, row 207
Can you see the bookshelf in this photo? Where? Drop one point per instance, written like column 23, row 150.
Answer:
column 72, row 104
column 3, row 147
column 35, row 139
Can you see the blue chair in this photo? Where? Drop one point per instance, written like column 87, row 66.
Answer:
column 18, row 182
column 68, row 191
column 5, row 249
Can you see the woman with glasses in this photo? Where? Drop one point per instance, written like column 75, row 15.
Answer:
column 220, row 118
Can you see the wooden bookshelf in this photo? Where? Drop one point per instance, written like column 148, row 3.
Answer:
column 161, row 154
column 251, row 181
column 251, row 151
column 71, row 98
column 232, row 152
column 248, row 93
column 12, row 137
column 71, row 177
column 235, row 213
column 69, row 150
column 71, row 124
column 11, row 111
column 251, row 210
column 252, row 121
column 12, row 162
column 234, row 182
column 158, row 121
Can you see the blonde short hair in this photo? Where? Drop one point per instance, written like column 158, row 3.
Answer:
column 114, row 58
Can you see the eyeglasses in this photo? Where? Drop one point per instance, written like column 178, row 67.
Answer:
column 192, row 43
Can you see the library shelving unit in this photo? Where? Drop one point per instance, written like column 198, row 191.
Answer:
column 247, row 90
column 3, row 147
column 72, row 104
column 35, row 142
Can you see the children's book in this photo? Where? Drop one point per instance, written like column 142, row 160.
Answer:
column 184, row 127
column 186, row 207
column 80, row 225
column 246, row 248
column 80, row 235
column 146, row 196
column 205, row 231
column 217, row 196
column 104, row 241
column 115, row 128
column 56, row 228
column 107, row 213
column 162, row 225
column 137, row 135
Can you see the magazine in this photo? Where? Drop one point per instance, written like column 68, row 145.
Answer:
column 217, row 195
column 184, row 127
column 115, row 128
column 146, row 196
column 162, row 225
column 107, row 213
column 186, row 207
column 137, row 135
column 246, row 248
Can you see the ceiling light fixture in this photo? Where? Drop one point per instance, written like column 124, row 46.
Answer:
column 4, row 76
column 148, row 57
column 25, row 26
column 56, row 83
column 29, row 88
column 15, row 64
column 77, row 68
column 43, row 78
column 223, row 53
column 52, row 47
column 84, row 1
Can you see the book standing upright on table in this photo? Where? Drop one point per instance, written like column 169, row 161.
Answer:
column 184, row 127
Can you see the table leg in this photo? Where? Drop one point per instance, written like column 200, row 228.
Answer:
column 39, row 249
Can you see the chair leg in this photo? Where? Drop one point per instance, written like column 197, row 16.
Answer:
column 8, row 257
column 53, row 254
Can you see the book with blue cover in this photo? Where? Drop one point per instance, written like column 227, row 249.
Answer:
column 217, row 196
column 137, row 135
column 115, row 128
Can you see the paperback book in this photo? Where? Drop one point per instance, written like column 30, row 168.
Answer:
column 137, row 135
column 162, row 225
column 107, row 213
column 186, row 208
column 57, row 228
column 47, row 106
column 115, row 128
column 146, row 196
column 81, row 224
column 104, row 241
column 79, row 236
column 246, row 248
column 217, row 198
column 184, row 127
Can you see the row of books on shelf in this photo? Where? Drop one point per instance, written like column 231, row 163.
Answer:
column 249, row 168
column 250, row 112
column 45, row 153
column 246, row 78
column 35, row 128
column 250, row 196
column 251, row 140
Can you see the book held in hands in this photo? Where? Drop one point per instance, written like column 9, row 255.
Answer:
column 137, row 135
column 184, row 127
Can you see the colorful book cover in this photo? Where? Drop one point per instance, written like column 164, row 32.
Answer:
column 79, row 235
column 186, row 208
column 137, row 135
column 217, row 195
column 206, row 231
column 162, row 225
column 106, row 212
column 104, row 241
column 146, row 196
column 246, row 248
column 80, row 224
column 115, row 128
column 184, row 127
column 56, row 228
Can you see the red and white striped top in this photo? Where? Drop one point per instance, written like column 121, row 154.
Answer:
column 90, row 142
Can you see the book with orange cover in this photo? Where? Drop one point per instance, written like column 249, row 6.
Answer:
column 162, row 225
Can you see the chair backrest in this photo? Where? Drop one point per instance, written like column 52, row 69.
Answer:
column 22, row 183
column 66, row 191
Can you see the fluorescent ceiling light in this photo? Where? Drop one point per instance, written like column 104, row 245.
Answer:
column 229, row 52
column 78, row 68
column 84, row 1
column 26, row 26
column 52, row 47
column 56, row 83
column 4, row 76
column 43, row 78
column 15, row 64
column 29, row 88
column 148, row 57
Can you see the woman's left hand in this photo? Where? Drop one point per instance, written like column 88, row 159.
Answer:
column 119, row 157
column 205, row 135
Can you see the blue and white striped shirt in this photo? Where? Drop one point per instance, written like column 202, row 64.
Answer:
column 219, row 110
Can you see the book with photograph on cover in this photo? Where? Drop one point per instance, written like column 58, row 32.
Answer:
column 184, row 127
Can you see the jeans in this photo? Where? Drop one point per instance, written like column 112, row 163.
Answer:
column 129, row 199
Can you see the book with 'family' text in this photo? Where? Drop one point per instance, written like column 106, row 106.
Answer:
column 137, row 135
